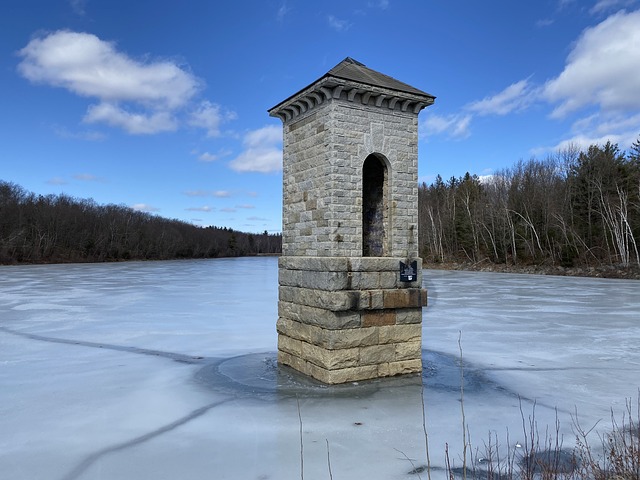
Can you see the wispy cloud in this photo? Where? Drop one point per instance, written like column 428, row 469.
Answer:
column 246, row 206
column 57, row 181
column 89, row 135
column 144, row 207
column 381, row 4
column 208, row 193
column 209, row 157
column 338, row 24
column 516, row 97
column 88, row 177
column 78, row 6
column 205, row 208
column 262, row 151
column 137, row 123
column 455, row 126
column 599, row 76
column 544, row 22
column 605, row 6
column 282, row 11
column 210, row 116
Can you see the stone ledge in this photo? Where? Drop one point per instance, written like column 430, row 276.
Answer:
column 344, row 264
column 343, row 300
column 342, row 280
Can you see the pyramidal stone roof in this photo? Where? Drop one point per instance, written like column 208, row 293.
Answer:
column 355, row 82
column 350, row 69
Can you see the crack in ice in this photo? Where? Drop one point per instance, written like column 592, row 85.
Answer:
column 94, row 457
column 178, row 357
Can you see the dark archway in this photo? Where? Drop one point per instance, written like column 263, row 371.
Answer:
column 375, row 215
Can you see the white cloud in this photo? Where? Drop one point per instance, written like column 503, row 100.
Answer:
column 209, row 116
column 516, row 97
column 144, row 207
column 282, row 11
column 208, row 193
column 134, row 123
column 602, row 69
column 138, row 96
column 205, row 208
column 246, row 206
column 454, row 126
column 57, row 181
column 544, row 22
column 262, row 151
column 196, row 193
column 78, row 6
column 89, row 135
column 597, row 129
column 88, row 66
column 609, row 5
column 381, row 4
column 87, row 177
column 338, row 24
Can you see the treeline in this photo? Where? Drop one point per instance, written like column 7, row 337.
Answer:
column 574, row 209
column 59, row 228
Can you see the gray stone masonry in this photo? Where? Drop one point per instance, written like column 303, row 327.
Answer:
column 350, row 188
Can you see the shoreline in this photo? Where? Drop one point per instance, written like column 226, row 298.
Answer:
column 631, row 272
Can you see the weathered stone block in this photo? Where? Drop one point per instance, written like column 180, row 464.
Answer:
column 399, row 368
column 319, row 316
column 377, row 354
column 334, row 301
column 408, row 350
column 400, row 333
column 378, row 318
column 409, row 315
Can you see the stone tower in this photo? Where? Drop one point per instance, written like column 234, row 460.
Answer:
column 350, row 296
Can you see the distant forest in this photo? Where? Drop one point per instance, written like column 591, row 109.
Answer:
column 573, row 209
column 59, row 228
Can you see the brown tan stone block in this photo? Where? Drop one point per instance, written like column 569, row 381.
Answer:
column 378, row 318
column 333, row 301
column 319, row 316
column 400, row 368
column 403, row 298
column 292, row 361
column 400, row 333
column 377, row 354
column 289, row 345
column 328, row 338
column 371, row 299
column 409, row 315
column 408, row 350
column 330, row 359
column 344, row 375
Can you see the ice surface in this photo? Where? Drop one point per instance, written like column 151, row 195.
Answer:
column 166, row 370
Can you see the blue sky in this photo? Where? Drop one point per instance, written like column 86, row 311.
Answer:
column 162, row 105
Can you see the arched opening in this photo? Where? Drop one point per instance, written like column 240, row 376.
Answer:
column 375, row 214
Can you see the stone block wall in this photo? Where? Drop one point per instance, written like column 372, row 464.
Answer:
column 345, row 319
column 324, row 151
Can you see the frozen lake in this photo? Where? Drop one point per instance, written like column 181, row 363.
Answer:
column 166, row 370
